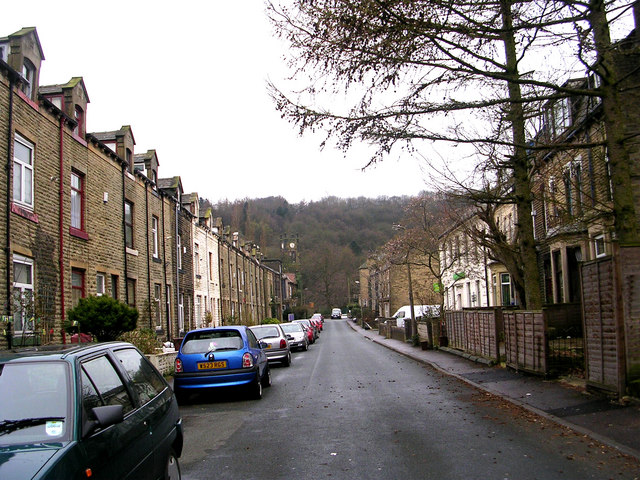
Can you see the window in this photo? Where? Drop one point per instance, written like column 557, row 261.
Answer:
column 179, row 252
column 154, row 235
column 146, row 381
column 131, row 292
column 558, row 278
column 22, row 293
column 561, row 115
column 23, row 171
column 196, row 259
column 599, row 246
column 129, row 159
column 210, row 266
column 114, row 286
column 57, row 101
column 157, row 292
column 168, row 295
column 79, row 114
column 197, row 306
column 100, row 284
column 77, row 201
column 101, row 385
column 29, row 74
column 576, row 171
column 505, row 288
column 568, row 194
column 552, row 197
column 77, row 286
column 128, row 224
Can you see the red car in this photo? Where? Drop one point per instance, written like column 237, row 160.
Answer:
column 309, row 329
column 320, row 320
column 317, row 324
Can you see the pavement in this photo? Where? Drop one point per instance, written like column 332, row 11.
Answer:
column 564, row 401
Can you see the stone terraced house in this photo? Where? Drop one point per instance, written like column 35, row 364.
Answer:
column 84, row 214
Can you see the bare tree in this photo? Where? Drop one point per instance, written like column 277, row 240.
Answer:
column 413, row 61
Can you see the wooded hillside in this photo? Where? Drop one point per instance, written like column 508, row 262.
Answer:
column 335, row 236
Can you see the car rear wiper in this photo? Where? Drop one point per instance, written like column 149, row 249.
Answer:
column 8, row 426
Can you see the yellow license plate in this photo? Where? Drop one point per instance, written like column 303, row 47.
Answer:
column 212, row 365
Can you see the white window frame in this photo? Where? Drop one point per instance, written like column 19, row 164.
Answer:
column 157, row 293
column 29, row 74
column 77, row 201
column 129, row 224
column 599, row 240
column 179, row 252
column 19, row 320
column 154, row 235
column 21, row 167
column 101, row 286
column 197, row 310
column 508, row 285
column 181, row 312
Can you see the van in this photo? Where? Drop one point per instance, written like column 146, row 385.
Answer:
column 404, row 312
column 336, row 313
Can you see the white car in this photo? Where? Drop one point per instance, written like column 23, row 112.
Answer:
column 296, row 336
column 336, row 313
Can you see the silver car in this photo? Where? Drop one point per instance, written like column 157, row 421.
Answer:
column 296, row 335
column 277, row 347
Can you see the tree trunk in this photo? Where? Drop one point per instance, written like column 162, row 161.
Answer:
column 519, row 161
column 624, row 211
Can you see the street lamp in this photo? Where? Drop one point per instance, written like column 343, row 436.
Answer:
column 414, row 326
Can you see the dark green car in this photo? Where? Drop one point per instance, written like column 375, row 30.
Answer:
column 98, row 411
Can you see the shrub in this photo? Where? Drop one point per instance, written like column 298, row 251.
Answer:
column 146, row 340
column 104, row 317
column 270, row 320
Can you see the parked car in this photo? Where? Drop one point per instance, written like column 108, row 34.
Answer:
column 404, row 313
column 308, row 330
column 216, row 357
column 91, row 410
column 296, row 335
column 307, row 323
column 336, row 313
column 317, row 317
column 276, row 344
column 317, row 325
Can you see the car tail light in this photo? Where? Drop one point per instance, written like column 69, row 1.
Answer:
column 283, row 343
column 247, row 360
column 178, row 365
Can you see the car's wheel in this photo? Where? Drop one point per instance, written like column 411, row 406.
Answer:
column 287, row 361
column 256, row 388
column 266, row 377
column 305, row 347
column 172, row 470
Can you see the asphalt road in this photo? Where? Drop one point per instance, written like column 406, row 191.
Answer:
column 351, row 409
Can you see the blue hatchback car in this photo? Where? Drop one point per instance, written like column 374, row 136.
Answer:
column 228, row 356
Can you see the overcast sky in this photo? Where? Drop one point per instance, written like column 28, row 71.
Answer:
column 190, row 78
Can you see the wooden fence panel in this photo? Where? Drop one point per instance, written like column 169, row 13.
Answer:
column 474, row 331
column 525, row 341
column 456, row 331
column 630, row 272
column 600, row 325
